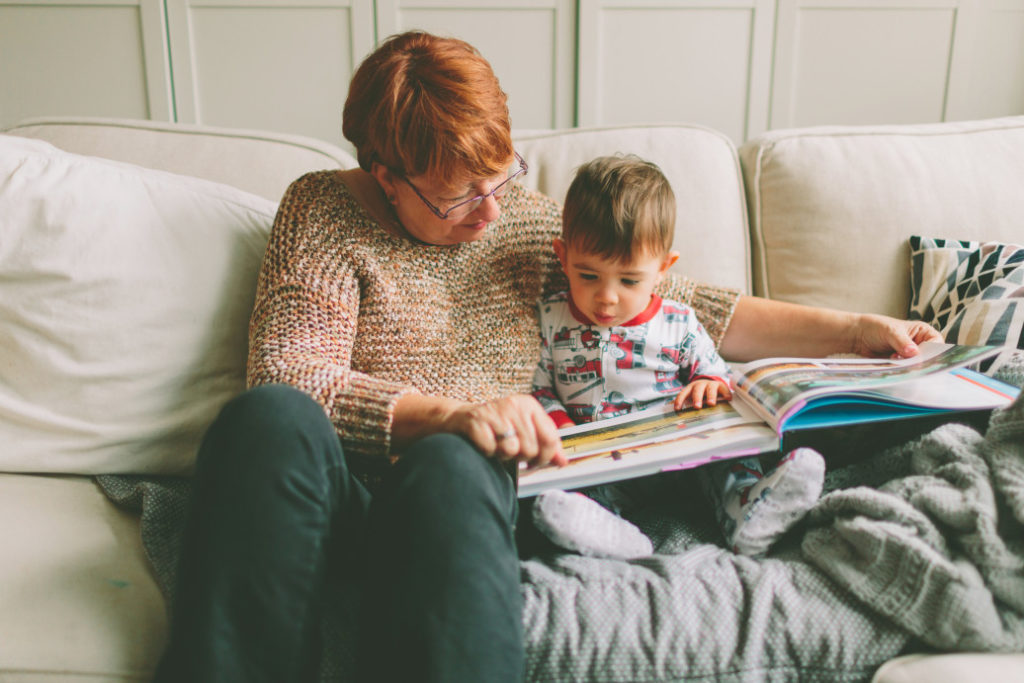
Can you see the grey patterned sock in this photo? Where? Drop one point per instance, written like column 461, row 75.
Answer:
column 765, row 511
column 575, row 522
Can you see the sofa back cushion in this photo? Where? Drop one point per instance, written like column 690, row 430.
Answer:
column 832, row 208
column 125, row 295
column 712, row 233
column 702, row 167
column 255, row 161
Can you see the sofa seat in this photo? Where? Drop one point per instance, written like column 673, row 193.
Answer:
column 78, row 601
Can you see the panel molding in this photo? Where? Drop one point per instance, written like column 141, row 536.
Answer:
column 752, row 112
column 961, row 61
column 152, row 36
column 393, row 17
column 788, row 35
column 184, row 63
column 762, row 60
column 968, row 99
column 552, row 58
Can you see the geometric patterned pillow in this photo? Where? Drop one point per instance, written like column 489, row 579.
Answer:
column 972, row 292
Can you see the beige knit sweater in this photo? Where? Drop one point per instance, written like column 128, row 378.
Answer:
column 356, row 316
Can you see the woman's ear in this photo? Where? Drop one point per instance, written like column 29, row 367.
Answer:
column 386, row 179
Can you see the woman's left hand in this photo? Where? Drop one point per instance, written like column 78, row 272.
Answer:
column 880, row 335
column 509, row 428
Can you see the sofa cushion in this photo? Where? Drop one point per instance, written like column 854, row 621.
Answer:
column 952, row 668
column 972, row 292
column 124, row 302
column 260, row 162
column 77, row 598
column 832, row 207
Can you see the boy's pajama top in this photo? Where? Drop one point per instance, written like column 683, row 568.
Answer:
column 588, row 372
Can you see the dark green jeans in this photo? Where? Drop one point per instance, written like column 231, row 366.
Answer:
column 276, row 516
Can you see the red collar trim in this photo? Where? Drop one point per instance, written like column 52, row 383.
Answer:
column 646, row 314
column 639, row 319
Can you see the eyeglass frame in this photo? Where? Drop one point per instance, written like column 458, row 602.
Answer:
column 479, row 199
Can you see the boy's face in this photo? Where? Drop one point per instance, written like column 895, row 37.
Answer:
column 610, row 292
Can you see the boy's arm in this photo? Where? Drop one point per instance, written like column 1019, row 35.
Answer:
column 544, row 388
column 701, row 359
column 708, row 372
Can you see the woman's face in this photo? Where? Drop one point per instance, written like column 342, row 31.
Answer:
column 442, row 213
column 422, row 223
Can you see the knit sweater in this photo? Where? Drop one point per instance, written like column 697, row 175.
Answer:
column 357, row 315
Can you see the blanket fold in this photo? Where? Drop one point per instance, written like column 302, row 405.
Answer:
column 939, row 552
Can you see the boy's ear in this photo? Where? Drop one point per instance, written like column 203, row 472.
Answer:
column 560, row 250
column 670, row 260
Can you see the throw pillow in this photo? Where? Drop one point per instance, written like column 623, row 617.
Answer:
column 972, row 292
column 125, row 295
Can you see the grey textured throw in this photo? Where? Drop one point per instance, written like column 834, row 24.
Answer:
column 939, row 552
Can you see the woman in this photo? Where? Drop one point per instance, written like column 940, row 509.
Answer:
column 396, row 309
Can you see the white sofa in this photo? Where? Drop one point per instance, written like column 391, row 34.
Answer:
column 119, row 340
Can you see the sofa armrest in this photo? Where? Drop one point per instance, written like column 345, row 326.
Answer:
column 965, row 667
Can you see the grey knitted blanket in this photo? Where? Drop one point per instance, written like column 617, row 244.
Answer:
column 917, row 548
column 940, row 552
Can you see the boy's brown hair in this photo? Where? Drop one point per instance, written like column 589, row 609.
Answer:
column 618, row 206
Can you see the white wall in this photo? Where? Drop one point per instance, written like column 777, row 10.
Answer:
column 741, row 66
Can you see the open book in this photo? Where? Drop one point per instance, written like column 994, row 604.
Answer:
column 779, row 404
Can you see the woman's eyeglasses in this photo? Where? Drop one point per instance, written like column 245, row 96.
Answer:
column 464, row 208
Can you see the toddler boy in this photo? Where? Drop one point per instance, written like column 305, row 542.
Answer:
column 610, row 346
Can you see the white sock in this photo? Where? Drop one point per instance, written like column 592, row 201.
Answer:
column 575, row 522
column 764, row 511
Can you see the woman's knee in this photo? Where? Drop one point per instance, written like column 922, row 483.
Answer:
column 270, row 402
column 271, row 426
column 450, row 466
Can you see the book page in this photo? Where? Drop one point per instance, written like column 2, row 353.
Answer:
column 649, row 426
column 650, row 441
column 777, row 388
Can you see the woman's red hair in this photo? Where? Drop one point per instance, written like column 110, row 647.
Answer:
column 421, row 104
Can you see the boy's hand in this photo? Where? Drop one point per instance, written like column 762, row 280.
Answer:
column 700, row 391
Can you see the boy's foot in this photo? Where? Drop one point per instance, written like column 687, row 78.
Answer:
column 575, row 522
column 764, row 511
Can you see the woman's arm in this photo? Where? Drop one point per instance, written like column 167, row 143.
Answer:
column 305, row 319
column 762, row 328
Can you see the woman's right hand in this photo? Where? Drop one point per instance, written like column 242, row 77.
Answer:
column 510, row 428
